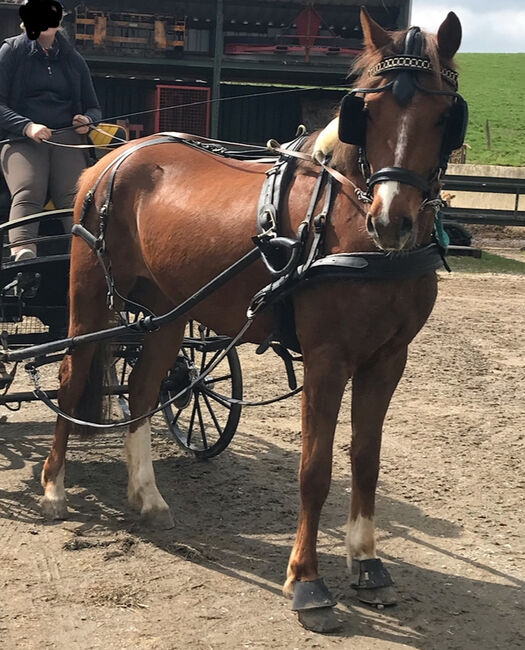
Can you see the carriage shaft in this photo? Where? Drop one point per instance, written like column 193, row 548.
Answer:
column 143, row 325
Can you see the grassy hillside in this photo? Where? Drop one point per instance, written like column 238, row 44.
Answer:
column 494, row 86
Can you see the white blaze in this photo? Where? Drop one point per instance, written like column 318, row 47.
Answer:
column 402, row 141
column 387, row 191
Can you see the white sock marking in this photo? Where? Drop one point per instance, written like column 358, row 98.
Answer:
column 142, row 488
column 360, row 539
column 54, row 490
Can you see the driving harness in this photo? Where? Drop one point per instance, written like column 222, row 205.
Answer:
column 295, row 261
column 352, row 130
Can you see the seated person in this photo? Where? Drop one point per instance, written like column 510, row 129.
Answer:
column 45, row 85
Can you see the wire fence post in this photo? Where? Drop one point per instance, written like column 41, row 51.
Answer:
column 217, row 64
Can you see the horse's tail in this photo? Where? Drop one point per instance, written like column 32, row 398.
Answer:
column 94, row 405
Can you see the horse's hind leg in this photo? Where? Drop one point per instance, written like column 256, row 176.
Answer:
column 88, row 312
column 372, row 389
column 158, row 355
column 74, row 372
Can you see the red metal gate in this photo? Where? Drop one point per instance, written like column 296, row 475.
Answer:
column 192, row 114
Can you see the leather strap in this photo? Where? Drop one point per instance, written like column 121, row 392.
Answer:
column 400, row 175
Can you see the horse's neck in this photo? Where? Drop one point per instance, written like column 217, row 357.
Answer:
column 344, row 159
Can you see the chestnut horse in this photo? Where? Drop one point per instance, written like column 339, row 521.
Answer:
column 180, row 216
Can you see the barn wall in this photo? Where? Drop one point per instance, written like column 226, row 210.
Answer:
column 257, row 119
column 9, row 23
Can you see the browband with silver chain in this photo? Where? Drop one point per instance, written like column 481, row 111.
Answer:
column 416, row 63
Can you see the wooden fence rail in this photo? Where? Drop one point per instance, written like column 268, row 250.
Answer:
column 457, row 183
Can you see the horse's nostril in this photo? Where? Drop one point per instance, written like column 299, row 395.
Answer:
column 405, row 225
column 370, row 224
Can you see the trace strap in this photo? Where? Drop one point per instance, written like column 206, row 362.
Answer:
column 42, row 395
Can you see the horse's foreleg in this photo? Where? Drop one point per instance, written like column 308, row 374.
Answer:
column 373, row 387
column 158, row 355
column 324, row 384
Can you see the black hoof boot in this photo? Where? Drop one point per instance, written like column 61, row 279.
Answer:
column 314, row 606
column 373, row 583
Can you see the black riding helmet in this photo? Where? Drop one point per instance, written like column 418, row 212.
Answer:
column 39, row 15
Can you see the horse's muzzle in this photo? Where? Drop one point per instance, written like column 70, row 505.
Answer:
column 395, row 234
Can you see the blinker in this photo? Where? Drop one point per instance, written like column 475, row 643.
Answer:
column 456, row 127
column 352, row 121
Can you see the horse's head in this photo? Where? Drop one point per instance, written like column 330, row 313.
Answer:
column 406, row 117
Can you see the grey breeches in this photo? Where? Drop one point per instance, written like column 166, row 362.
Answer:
column 37, row 172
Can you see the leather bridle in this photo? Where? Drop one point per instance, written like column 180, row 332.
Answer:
column 352, row 120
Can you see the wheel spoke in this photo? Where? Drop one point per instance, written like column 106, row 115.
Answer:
column 201, row 422
column 174, row 419
column 212, row 413
column 123, row 372
column 218, row 399
column 202, row 351
column 192, row 421
column 192, row 335
column 203, row 361
column 216, row 380
column 213, row 359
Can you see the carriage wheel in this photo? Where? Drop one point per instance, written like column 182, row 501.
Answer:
column 200, row 421
column 124, row 358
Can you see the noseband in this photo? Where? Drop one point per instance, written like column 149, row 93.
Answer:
column 353, row 118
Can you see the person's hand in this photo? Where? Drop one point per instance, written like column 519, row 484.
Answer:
column 81, row 119
column 38, row 132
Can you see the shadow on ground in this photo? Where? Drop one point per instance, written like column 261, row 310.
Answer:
column 237, row 515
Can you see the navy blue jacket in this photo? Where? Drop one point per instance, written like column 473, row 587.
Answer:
column 15, row 59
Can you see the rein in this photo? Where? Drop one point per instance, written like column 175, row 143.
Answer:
column 353, row 265
column 304, row 263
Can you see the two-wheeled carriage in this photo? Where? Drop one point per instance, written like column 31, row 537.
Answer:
column 168, row 223
column 34, row 310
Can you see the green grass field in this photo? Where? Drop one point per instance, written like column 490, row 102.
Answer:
column 489, row 263
column 494, row 86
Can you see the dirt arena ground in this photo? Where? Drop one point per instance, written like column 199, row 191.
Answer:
column 449, row 516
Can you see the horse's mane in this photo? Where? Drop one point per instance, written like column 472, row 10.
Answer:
column 369, row 58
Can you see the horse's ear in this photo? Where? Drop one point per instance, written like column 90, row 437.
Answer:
column 375, row 36
column 449, row 36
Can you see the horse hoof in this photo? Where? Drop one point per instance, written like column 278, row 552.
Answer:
column 373, row 583
column 321, row 620
column 53, row 509
column 314, row 605
column 378, row 597
column 158, row 519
